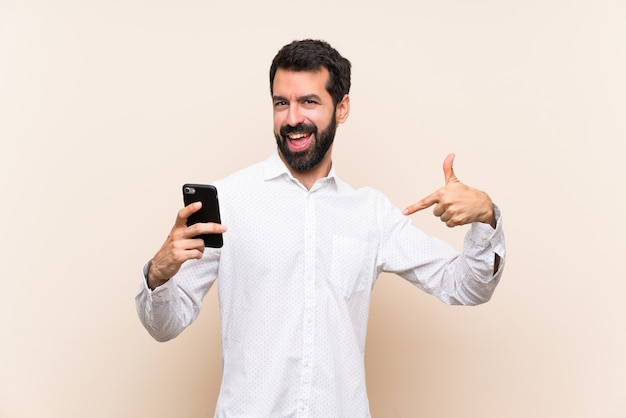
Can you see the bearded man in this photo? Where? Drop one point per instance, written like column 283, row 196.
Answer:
column 302, row 253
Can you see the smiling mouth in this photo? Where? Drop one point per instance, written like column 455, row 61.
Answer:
column 299, row 141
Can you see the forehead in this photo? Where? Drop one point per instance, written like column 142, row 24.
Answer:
column 298, row 83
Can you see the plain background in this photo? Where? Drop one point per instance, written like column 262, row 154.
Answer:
column 107, row 107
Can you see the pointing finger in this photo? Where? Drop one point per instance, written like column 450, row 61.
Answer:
column 426, row 202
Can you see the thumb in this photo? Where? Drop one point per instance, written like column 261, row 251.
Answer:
column 448, row 171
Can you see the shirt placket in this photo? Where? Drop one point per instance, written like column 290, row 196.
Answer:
column 308, row 316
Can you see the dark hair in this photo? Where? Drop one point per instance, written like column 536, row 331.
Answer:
column 311, row 55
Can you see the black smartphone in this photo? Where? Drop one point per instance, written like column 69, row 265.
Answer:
column 210, row 211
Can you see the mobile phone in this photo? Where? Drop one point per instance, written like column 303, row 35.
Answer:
column 209, row 212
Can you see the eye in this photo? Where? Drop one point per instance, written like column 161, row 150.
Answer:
column 280, row 103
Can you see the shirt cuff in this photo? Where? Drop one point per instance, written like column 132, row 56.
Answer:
column 159, row 293
column 484, row 235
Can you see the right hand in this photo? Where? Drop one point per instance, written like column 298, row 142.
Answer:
column 180, row 246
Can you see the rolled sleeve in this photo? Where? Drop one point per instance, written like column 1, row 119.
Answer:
column 167, row 310
column 482, row 244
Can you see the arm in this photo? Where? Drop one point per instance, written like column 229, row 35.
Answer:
column 177, row 278
column 467, row 278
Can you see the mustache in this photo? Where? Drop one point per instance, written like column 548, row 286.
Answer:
column 301, row 127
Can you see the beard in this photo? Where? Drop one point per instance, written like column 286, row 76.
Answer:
column 314, row 154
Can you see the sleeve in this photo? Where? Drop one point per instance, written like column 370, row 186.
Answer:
column 465, row 278
column 167, row 310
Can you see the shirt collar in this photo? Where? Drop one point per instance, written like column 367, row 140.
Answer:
column 274, row 168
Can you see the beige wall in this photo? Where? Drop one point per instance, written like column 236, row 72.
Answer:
column 107, row 107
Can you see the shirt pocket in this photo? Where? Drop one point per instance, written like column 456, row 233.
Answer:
column 350, row 270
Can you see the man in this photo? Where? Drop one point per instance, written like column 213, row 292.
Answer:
column 302, row 253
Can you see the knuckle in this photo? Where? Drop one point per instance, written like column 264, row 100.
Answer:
column 194, row 230
column 182, row 214
column 191, row 230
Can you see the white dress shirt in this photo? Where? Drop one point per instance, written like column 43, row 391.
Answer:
column 295, row 278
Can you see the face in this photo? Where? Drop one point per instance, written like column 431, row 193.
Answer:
column 305, row 118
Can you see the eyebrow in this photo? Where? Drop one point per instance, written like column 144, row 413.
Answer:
column 310, row 97
column 300, row 99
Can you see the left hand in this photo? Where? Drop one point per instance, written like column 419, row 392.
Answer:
column 455, row 203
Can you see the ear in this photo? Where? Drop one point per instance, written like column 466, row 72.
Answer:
column 343, row 109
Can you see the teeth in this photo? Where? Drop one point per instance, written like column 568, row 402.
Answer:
column 297, row 136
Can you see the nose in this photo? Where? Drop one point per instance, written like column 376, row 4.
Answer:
column 294, row 115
